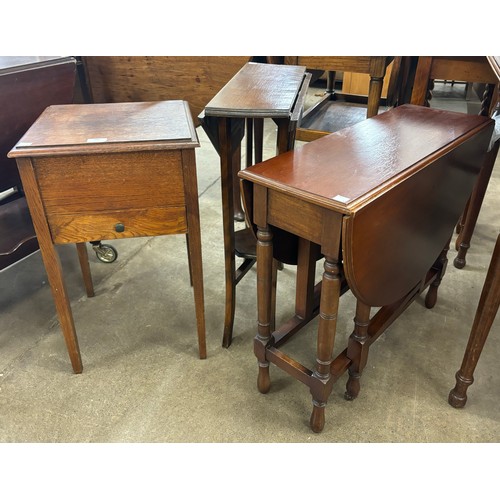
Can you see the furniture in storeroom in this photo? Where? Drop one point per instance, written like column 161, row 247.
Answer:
column 27, row 86
column 256, row 92
column 476, row 69
column 109, row 171
column 379, row 201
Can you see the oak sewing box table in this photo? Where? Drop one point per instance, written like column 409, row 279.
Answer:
column 379, row 201
column 107, row 171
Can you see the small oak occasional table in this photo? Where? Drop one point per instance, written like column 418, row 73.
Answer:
column 256, row 92
column 380, row 200
column 106, row 171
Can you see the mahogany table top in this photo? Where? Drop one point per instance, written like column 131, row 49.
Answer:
column 346, row 169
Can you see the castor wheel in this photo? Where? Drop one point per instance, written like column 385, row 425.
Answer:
column 105, row 253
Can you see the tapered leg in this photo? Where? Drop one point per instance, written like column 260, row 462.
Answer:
column 357, row 349
column 189, row 261
column 485, row 315
column 194, row 245
column 51, row 262
column 329, row 304
column 83, row 257
column 62, row 303
column 194, row 249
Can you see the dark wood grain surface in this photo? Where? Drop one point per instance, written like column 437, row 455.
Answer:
column 392, row 242
column 405, row 176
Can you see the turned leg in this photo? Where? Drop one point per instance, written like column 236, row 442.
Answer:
column 440, row 268
column 474, row 207
column 264, row 304
column 329, row 304
column 485, row 315
column 357, row 349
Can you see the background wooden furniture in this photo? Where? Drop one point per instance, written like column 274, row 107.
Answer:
column 106, row 171
column 483, row 320
column 27, row 86
column 380, row 200
column 461, row 68
column 358, row 84
column 256, row 92
column 374, row 66
column 195, row 79
column 476, row 69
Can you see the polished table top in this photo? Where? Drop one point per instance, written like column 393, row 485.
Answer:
column 343, row 171
column 112, row 127
column 399, row 178
column 259, row 90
